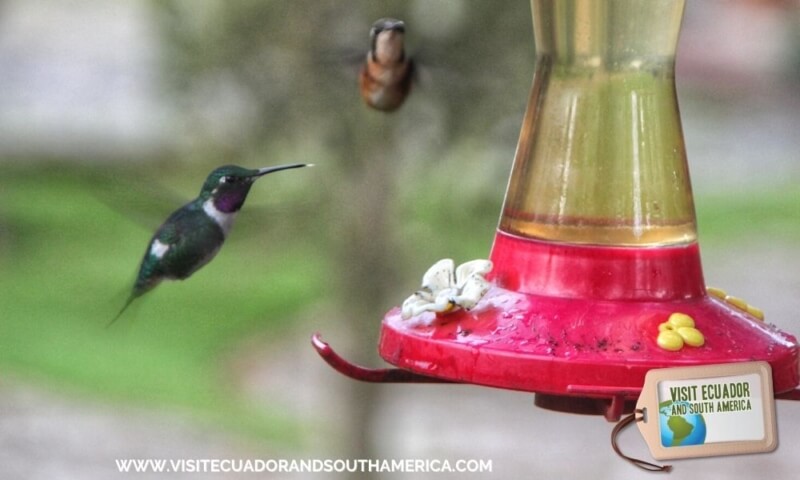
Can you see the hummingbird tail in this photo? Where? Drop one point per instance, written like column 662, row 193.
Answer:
column 122, row 310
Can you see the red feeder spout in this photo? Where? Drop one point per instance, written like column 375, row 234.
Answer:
column 363, row 374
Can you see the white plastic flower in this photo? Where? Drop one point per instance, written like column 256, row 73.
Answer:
column 445, row 288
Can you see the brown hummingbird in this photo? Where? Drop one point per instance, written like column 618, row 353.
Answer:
column 387, row 73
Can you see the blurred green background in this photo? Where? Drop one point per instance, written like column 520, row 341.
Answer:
column 113, row 113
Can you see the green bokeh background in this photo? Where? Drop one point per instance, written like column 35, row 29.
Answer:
column 417, row 186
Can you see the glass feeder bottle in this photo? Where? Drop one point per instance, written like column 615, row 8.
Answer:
column 601, row 158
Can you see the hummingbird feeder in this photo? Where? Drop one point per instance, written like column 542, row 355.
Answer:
column 596, row 275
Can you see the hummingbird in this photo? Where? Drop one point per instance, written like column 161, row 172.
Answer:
column 387, row 73
column 194, row 233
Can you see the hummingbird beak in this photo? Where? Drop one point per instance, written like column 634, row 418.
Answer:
column 387, row 34
column 263, row 171
column 387, row 24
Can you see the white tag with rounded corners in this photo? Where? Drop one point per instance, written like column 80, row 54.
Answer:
column 708, row 410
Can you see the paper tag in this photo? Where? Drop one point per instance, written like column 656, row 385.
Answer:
column 708, row 410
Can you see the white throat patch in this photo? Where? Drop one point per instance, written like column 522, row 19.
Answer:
column 224, row 220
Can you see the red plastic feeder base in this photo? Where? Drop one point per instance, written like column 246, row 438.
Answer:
column 579, row 323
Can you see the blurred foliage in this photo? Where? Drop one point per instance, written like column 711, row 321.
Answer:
column 290, row 67
column 774, row 213
column 261, row 83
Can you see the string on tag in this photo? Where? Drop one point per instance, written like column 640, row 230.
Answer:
column 637, row 416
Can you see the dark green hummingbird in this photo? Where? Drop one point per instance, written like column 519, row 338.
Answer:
column 194, row 233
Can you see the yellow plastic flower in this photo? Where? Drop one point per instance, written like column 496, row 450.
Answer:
column 678, row 330
column 737, row 302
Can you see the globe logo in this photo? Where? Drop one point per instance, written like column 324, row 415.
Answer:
column 679, row 426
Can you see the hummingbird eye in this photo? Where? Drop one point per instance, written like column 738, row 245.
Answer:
column 229, row 179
